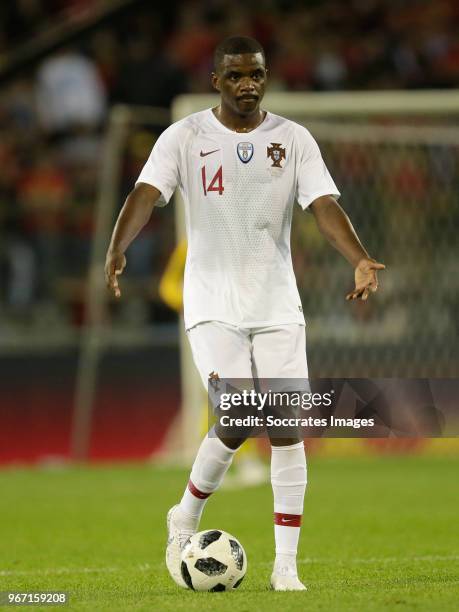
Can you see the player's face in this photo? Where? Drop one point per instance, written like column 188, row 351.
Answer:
column 241, row 81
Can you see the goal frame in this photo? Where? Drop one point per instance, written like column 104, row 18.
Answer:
column 185, row 436
column 313, row 106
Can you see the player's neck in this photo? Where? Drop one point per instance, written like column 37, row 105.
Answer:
column 239, row 123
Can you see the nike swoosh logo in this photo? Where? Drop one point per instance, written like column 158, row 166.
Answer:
column 208, row 152
column 284, row 520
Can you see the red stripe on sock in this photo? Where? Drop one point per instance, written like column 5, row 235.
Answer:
column 196, row 492
column 287, row 520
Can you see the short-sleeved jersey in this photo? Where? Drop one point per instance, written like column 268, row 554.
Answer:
column 239, row 190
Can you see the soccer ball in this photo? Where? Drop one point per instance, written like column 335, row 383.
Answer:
column 213, row 560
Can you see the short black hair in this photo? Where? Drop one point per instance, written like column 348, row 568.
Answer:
column 236, row 45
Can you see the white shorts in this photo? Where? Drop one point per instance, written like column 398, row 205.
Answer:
column 278, row 351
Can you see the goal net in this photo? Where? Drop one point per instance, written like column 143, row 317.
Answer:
column 395, row 159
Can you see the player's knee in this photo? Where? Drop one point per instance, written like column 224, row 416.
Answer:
column 232, row 443
column 285, row 441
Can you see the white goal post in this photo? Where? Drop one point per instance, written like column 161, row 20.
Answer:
column 390, row 129
column 334, row 117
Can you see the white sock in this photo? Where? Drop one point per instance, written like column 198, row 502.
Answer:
column 288, row 479
column 209, row 468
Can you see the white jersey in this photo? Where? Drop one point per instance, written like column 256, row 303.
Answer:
column 239, row 190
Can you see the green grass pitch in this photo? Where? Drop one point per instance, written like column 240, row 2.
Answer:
column 380, row 533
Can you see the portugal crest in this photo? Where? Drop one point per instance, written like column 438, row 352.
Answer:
column 245, row 151
column 277, row 153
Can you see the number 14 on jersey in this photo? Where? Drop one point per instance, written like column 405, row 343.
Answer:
column 216, row 184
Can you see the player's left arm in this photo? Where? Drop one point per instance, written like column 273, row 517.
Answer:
column 337, row 228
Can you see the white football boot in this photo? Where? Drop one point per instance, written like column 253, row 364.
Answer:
column 178, row 533
column 286, row 579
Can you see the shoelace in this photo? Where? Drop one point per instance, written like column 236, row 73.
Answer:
column 287, row 571
column 185, row 535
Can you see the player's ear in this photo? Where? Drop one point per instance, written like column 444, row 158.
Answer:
column 215, row 83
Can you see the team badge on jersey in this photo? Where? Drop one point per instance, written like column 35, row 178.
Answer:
column 277, row 153
column 245, row 151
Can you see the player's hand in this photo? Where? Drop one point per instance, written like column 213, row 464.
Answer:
column 114, row 266
column 366, row 279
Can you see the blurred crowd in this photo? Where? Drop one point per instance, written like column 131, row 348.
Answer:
column 310, row 44
column 52, row 116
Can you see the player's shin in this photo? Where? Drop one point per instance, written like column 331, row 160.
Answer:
column 288, row 479
column 209, row 468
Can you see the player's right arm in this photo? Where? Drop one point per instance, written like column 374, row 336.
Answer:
column 132, row 218
column 154, row 187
